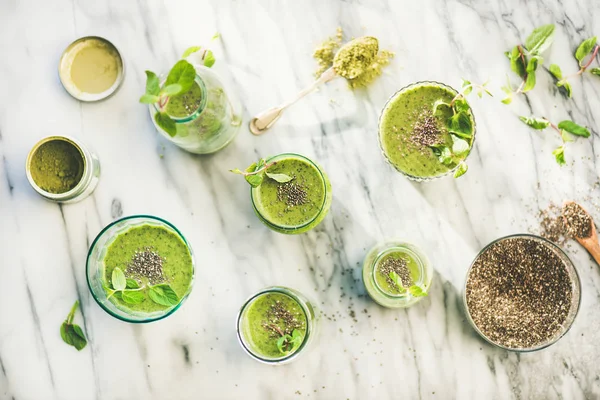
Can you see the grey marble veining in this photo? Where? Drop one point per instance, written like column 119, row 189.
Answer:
column 363, row 351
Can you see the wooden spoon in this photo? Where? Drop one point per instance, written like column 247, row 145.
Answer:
column 264, row 120
column 591, row 242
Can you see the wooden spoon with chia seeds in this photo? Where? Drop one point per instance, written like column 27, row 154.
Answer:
column 349, row 62
column 581, row 227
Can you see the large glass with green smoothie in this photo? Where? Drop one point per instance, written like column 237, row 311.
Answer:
column 140, row 269
column 396, row 274
column 296, row 206
column 418, row 135
column 276, row 324
column 207, row 117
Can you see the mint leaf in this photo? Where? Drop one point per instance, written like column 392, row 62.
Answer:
column 584, row 49
column 461, row 105
column 297, row 339
column 209, row 59
column 467, row 86
column 182, row 73
column 531, row 68
column 440, row 103
column 516, row 62
column 281, row 178
column 164, row 122
column 396, row 279
column 540, row 39
column 132, row 284
column 255, row 180
column 444, row 155
column 132, row 296
column 573, row 128
column 566, row 136
column 595, row 71
column 216, row 36
column 417, row 291
column 559, row 155
column 149, row 99
column 555, row 71
column 567, row 87
column 460, row 125
column 460, row 147
column 163, row 294
column 172, row 90
column 535, row 123
column 118, row 279
column 152, row 83
column 461, row 170
column 190, row 50
column 71, row 333
column 282, row 343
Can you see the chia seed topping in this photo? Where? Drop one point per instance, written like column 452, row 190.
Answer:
column 426, row 131
column 292, row 193
column 280, row 321
column 147, row 264
column 400, row 267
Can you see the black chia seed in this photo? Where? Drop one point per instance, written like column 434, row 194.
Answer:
column 400, row 267
column 426, row 131
column 280, row 321
column 292, row 193
column 519, row 293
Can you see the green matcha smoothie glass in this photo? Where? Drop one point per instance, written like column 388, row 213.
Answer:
column 157, row 263
column 207, row 117
column 296, row 206
column 413, row 279
column 415, row 140
column 276, row 325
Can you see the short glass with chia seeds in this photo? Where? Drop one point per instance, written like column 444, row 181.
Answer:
column 140, row 268
column 296, row 206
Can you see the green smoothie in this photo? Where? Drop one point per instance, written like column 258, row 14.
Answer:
column 412, row 136
column 185, row 104
column 57, row 166
column 267, row 318
column 404, row 265
column 149, row 255
column 295, row 206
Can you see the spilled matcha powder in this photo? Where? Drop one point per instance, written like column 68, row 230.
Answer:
column 57, row 166
column 360, row 62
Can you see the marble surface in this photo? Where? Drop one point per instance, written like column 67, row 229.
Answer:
column 364, row 351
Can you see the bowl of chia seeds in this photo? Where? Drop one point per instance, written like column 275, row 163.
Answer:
column 522, row 293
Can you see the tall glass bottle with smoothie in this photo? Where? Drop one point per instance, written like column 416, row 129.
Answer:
column 202, row 118
column 290, row 193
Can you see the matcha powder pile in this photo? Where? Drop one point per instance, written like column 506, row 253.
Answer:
column 325, row 55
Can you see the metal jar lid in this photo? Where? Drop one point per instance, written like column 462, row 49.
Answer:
column 66, row 61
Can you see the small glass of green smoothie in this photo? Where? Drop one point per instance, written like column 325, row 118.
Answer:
column 276, row 325
column 140, row 269
column 61, row 169
column 396, row 274
column 207, row 117
column 296, row 206
column 421, row 135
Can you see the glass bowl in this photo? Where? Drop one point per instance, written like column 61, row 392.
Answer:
column 379, row 133
column 95, row 268
column 575, row 299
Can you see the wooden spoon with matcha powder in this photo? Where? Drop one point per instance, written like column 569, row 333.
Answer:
column 349, row 62
column 576, row 219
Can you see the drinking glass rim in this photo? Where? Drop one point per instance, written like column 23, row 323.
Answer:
column 387, row 159
column 324, row 179
column 285, row 291
column 140, row 216
column 576, row 282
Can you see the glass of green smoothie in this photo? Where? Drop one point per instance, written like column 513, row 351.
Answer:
column 205, row 116
column 396, row 274
column 140, row 269
column 276, row 325
column 296, row 206
column 422, row 136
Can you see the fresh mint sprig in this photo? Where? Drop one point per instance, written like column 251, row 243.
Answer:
column 289, row 343
column 564, row 128
column 414, row 290
column 179, row 81
column 255, row 173
column 460, row 127
column 71, row 333
column 582, row 55
column 130, row 291
column 525, row 59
